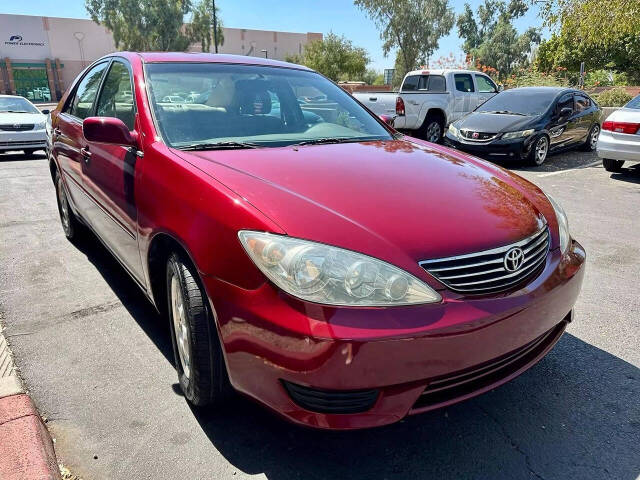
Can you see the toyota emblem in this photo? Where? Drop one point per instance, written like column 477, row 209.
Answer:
column 513, row 259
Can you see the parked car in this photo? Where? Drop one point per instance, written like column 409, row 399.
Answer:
column 429, row 100
column 22, row 125
column 619, row 140
column 313, row 267
column 528, row 123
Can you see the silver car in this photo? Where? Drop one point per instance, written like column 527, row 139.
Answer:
column 619, row 139
column 22, row 125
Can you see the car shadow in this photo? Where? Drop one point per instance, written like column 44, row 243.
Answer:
column 14, row 156
column 630, row 174
column 555, row 162
column 574, row 415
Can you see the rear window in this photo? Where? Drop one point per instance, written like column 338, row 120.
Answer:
column 411, row 83
column 635, row 103
column 464, row 82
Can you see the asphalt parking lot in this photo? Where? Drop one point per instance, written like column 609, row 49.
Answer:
column 98, row 362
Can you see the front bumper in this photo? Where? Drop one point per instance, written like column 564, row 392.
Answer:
column 618, row 147
column 515, row 149
column 29, row 139
column 415, row 358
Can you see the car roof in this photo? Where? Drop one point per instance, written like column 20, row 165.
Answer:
column 440, row 71
column 556, row 90
column 195, row 57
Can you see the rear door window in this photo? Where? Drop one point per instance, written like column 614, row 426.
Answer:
column 411, row 83
column 464, row 82
column 81, row 105
column 582, row 103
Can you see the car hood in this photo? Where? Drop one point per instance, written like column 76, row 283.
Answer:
column 406, row 200
column 11, row 118
column 495, row 122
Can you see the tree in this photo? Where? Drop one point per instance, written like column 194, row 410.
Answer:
column 490, row 37
column 335, row 57
column 414, row 27
column 594, row 22
column 142, row 24
column 201, row 27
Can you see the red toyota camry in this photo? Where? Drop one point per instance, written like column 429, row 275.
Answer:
column 303, row 252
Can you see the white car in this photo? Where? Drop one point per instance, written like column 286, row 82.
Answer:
column 22, row 125
column 619, row 139
column 429, row 100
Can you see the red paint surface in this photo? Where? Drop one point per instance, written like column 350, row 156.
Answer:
column 402, row 201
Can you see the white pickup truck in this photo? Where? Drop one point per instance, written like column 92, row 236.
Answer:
column 429, row 100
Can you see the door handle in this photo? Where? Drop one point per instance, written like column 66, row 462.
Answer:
column 86, row 154
column 57, row 131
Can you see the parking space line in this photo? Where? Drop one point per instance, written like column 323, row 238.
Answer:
column 592, row 164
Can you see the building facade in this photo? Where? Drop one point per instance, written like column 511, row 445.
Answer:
column 40, row 56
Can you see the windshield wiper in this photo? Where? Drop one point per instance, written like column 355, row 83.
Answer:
column 15, row 111
column 219, row 146
column 508, row 112
column 325, row 141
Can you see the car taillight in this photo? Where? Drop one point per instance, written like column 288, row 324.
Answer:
column 399, row 107
column 621, row 127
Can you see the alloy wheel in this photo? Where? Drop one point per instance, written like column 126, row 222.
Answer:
column 180, row 326
column 64, row 209
column 593, row 141
column 542, row 148
column 433, row 132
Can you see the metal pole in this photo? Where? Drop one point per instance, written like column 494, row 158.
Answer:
column 215, row 27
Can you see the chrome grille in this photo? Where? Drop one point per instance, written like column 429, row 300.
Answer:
column 486, row 271
column 18, row 127
column 477, row 136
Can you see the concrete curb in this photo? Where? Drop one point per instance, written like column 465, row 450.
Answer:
column 26, row 449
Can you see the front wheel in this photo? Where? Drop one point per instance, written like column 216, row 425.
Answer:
column 539, row 151
column 611, row 165
column 196, row 347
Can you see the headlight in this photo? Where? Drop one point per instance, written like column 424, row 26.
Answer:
column 563, row 224
column 329, row 275
column 40, row 125
column 453, row 130
column 519, row 134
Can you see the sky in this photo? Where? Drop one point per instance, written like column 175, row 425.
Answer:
column 339, row 16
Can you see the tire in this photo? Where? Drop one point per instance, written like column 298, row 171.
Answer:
column 196, row 347
column 539, row 151
column 611, row 165
column 29, row 152
column 432, row 129
column 589, row 144
column 71, row 227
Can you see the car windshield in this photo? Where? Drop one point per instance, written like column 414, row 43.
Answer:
column 214, row 105
column 634, row 103
column 519, row 102
column 16, row 105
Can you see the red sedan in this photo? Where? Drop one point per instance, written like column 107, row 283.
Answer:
column 303, row 252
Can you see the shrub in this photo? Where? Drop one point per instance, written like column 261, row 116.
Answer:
column 616, row 97
column 605, row 78
column 530, row 77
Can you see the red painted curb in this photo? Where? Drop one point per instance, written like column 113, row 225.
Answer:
column 26, row 449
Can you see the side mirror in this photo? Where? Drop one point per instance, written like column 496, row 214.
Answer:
column 500, row 88
column 45, row 111
column 388, row 119
column 566, row 112
column 108, row 130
